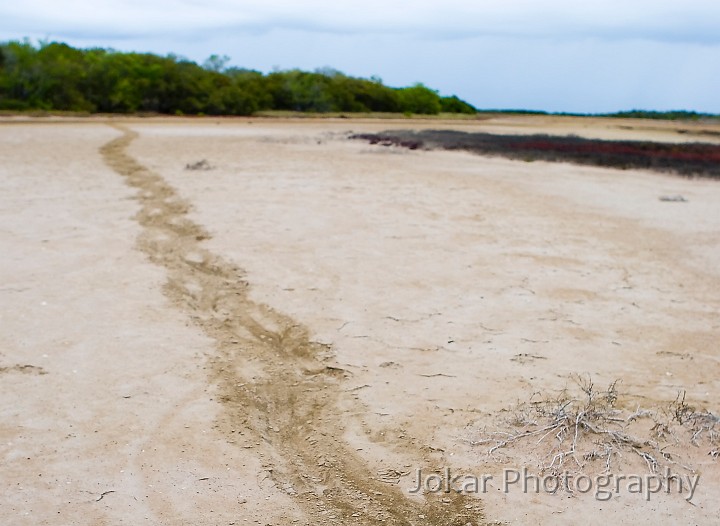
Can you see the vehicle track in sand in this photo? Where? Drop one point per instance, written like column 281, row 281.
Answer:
column 278, row 388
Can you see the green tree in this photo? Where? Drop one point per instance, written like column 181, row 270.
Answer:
column 21, row 76
column 455, row 105
column 419, row 99
column 55, row 76
column 216, row 63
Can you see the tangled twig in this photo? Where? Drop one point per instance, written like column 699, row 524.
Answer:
column 591, row 427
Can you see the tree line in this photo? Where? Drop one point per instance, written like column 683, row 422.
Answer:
column 673, row 115
column 56, row 76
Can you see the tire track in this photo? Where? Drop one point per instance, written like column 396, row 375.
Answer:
column 277, row 386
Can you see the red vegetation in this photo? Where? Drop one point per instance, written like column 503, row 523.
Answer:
column 689, row 159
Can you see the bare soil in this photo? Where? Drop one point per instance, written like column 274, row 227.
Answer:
column 231, row 321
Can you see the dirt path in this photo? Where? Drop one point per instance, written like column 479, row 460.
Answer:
column 288, row 403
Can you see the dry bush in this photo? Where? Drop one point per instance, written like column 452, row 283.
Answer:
column 584, row 428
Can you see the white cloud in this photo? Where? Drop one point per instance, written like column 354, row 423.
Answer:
column 688, row 21
column 557, row 55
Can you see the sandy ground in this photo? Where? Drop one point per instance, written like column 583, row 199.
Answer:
column 288, row 337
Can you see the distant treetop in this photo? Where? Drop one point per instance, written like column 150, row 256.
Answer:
column 55, row 76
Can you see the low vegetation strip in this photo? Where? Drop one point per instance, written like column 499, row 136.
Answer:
column 57, row 77
column 690, row 160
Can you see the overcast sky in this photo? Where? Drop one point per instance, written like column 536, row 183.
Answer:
column 554, row 55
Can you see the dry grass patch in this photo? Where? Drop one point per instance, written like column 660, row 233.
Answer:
column 583, row 429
